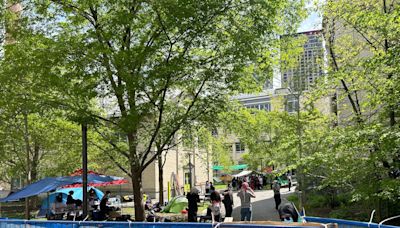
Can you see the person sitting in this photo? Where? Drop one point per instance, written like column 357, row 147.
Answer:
column 215, row 207
column 287, row 213
column 104, row 209
column 57, row 208
column 92, row 199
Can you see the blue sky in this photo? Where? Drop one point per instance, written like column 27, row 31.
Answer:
column 312, row 22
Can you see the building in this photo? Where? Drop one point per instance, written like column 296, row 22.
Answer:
column 182, row 165
column 288, row 86
column 310, row 63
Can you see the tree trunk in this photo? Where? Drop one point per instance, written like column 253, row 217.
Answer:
column 138, row 194
column 161, row 179
column 34, row 171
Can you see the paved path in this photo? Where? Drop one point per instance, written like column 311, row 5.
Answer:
column 263, row 205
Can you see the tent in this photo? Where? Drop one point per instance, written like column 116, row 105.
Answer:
column 243, row 173
column 79, row 172
column 176, row 205
column 233, row 167
column 78, row 195
column 52, row 183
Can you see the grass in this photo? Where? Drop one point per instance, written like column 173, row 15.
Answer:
column 220, row 186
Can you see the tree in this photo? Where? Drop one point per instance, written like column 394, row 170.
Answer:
column 138, row 55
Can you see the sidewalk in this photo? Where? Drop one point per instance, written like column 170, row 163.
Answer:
column 263, row 205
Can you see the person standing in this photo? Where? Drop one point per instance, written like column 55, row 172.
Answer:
column 212, row 188
column 70, row 201
column 207, row 187
column 193, row 199
column 245, row 194
column 277, row 194
column 228, row 202
column 289, row 181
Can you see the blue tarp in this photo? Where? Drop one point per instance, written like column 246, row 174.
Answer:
column 52, row 183
column 78, row 195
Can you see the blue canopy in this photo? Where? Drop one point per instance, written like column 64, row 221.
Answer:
column 52, row 183
column 78, row 195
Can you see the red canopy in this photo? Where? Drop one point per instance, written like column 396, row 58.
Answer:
column 79, row 172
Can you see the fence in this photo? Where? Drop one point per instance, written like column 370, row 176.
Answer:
column 347, row 223
column 16, row 223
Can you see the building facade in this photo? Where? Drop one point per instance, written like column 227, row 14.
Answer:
column 285, row 92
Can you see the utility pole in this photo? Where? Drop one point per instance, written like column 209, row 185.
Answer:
column 84, row 168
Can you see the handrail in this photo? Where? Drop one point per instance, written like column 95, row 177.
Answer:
column 385, row 220
column 371, row 217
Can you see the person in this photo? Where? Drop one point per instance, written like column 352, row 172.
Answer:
column 289, row 181
column 288, row 213
column 228, row 202
column 104, row 209
column 215, row 208
column 92, row 199
column 212, row 188
column 70, row 201
column 245, row 194
column 277, row 194
column 193, row 199
column 260, row 181
column 207, row 187
column 234, row 183
column 58, row 206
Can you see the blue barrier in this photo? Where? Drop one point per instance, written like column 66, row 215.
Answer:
column 15, row 223
column 347, row 223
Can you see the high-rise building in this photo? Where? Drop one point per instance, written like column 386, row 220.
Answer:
column 309, row 65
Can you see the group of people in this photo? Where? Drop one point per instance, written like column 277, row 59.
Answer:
column 254, row 181
column 59, row 208
column 286, row 211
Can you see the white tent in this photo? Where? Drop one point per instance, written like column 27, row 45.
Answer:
column 243, row 173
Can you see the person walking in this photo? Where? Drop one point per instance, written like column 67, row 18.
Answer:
column 228, row 202
column 289, row 178
column 277, row 194
column 193, row 199
column 245, row 194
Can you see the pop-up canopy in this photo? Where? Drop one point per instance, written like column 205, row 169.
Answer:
column 52, row 183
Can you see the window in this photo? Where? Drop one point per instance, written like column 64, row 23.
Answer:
column 292, row 105
column 239, row 147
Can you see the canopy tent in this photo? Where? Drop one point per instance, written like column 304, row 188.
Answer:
column 233, row 167
column 243, row 173
column 78, row 195
column 79, row 172
column 52, row 183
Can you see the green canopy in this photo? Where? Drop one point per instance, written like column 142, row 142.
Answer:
column 233, row 167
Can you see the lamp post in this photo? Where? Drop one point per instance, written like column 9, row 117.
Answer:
column 190, row 171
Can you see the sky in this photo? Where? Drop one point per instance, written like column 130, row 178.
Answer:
column 312, row 22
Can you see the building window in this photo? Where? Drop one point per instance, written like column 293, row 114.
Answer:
column 239, row 147
column 292, row 105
